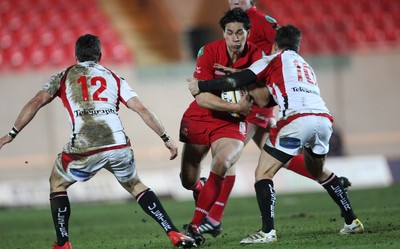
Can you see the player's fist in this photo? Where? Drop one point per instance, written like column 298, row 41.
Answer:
column 5, row 140
column 193, row 86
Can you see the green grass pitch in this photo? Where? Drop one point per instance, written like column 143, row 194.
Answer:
column 307, row 220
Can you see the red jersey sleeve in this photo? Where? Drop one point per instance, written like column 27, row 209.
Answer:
column 204, row 65
column 263, row 29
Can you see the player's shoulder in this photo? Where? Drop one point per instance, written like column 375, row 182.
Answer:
column 256, row 14
column 253, row 46
column 58, row 75
column 254, row 50
column 107, row 71
column 218, row 44
column 211, row 47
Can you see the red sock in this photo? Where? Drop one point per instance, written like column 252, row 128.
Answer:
column 197, row 187
column 207, row 197
column 297, row 165
column 218, row 208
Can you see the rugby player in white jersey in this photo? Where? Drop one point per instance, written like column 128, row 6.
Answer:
column 304, row 124
column 91, row 95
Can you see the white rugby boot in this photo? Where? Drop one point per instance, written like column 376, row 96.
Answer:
column 260, row 237
column 355, row 227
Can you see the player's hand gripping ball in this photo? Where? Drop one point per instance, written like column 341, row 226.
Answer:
column 234, row 97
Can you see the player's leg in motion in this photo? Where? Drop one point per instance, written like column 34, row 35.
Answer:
column 192, row 155
column 266, row 199
column 60, row 209
column 152, row 206
column 334, row 187
column 296, row 164
column 212, row 224
column 226, row 152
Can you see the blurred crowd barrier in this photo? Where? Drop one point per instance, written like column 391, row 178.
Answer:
column 361, row 91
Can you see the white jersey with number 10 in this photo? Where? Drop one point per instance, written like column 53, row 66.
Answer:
column 289, row 79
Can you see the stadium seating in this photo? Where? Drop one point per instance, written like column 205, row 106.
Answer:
column 37, row 34
column 341, row 26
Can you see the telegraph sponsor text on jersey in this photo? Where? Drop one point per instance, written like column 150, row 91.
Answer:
column 302, row 89
column 79, row 113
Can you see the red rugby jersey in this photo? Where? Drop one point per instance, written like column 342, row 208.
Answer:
column 216, row 52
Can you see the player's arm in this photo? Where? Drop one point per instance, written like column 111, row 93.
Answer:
column 226, row 69
column 225, row 83
column 261, row 96
column 232, row 81
column 152, row 121
column 215, row 103
column 27, row 113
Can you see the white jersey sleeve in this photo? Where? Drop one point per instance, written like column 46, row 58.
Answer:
column 258, row 66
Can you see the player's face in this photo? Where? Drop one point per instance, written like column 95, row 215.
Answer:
column 235, row 37
column 243, row 4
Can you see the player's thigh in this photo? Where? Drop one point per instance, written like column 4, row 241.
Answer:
column 192, row 155
column 121, row 163
column 260, row 136
column 319, row 143
column 315, row 165
column 57, row 182
column 251, row 131
column 225, row 153
column 290, row 137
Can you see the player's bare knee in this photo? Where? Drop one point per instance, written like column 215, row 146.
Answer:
column 220, row 169
column 188, row 183
column 267, row 171
column 134, row 186
column 220, row 165
column 57, row 183
column 188, row 180
column 264, row 174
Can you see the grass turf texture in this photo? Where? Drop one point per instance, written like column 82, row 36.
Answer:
column 309, row 220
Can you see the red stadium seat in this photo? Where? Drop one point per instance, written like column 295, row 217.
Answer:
column 36, row 57
column 342, row 23
column 39, row 33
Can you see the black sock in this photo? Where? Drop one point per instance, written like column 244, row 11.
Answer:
column 337, row 193
column 60, row 210
column 266, row 202
column 153, row 207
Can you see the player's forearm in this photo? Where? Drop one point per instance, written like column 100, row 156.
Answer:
column 148, row 117
column 152, row 121
column 29, row 111
column 214, row 103
column 26, row 115
column 229, row 82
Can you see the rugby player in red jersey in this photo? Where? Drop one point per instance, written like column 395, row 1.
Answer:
column 207, row 123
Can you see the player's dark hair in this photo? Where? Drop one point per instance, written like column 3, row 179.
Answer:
column 88, row 48
column 235, row 15
column 288, row 37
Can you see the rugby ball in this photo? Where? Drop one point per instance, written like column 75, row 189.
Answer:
column 234, row 97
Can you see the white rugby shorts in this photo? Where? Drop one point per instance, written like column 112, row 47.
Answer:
column 310, row 131
column 120, row 162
